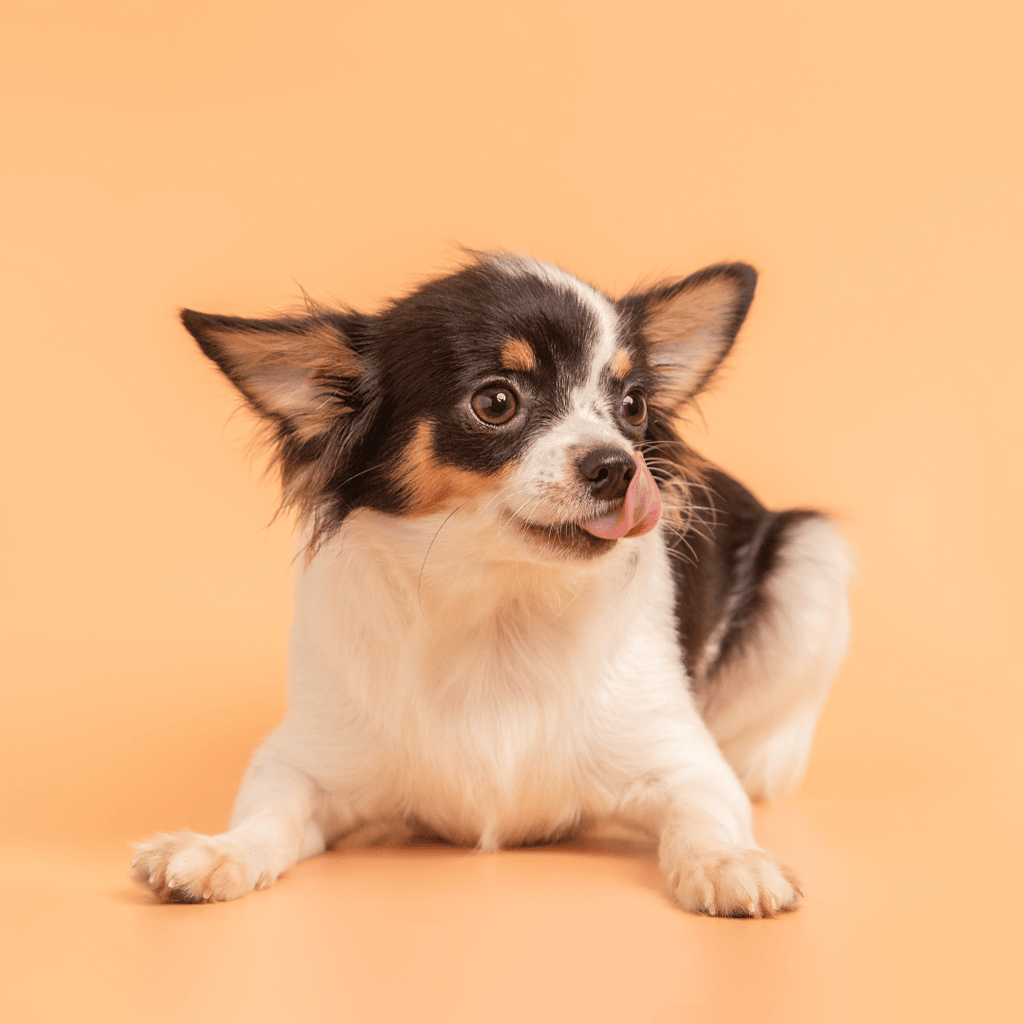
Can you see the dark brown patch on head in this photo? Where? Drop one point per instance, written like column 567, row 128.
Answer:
column 517, row 354
column 430, row 485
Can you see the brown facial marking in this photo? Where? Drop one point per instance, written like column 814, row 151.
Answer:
column 517, row 354
column 430, row 485
column 622, row 363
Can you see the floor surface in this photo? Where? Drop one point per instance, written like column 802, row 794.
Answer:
column 905, row 920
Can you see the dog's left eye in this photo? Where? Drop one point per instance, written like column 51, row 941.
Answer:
column 634, row 408
column 495, row 404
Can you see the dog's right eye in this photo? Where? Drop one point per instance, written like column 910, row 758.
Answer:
column 496, row 404
column 634, row 408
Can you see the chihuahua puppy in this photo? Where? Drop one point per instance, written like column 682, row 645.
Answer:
column 526, row 606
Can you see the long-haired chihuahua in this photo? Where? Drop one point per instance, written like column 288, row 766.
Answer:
column 525, row 606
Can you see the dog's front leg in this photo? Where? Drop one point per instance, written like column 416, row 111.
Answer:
column 707, row 849
column 271, row 829
column 707, row 874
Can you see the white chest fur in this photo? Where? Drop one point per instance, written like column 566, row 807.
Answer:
column 484, row 697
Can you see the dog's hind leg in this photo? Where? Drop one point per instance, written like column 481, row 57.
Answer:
column 272, row 828
column 762, row 695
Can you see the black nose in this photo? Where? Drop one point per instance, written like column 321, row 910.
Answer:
column 608, row 472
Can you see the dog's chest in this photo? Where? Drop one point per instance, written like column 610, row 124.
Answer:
column 493, row 725
column 491, row 711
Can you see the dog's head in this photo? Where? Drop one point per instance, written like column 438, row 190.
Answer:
column 509, row 388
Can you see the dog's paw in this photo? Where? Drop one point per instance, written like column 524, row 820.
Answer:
column 185, row 867
column 736, row 883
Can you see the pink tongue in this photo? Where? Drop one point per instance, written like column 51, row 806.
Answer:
column 641, row 508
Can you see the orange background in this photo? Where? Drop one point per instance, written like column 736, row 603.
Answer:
column 866, row 157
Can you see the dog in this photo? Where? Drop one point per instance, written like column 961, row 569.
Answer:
column 525, row 606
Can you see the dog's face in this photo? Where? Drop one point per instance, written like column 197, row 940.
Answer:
column 509, row 388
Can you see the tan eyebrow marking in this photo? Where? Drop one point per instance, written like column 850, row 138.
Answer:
column 517, row 354
column 622, row 363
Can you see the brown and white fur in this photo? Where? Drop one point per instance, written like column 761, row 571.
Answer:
column 467, row 659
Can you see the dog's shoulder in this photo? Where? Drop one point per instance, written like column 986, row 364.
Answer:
column 720, row 558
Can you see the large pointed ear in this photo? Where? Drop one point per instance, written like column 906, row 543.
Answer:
column 689, row 326
column 300, row 372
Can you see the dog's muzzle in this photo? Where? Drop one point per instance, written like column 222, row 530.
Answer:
column 640, row 509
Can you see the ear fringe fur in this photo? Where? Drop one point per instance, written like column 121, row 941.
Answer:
column 307, row 383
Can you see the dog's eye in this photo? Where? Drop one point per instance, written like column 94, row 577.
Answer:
column 495, row 404
column 634, row 408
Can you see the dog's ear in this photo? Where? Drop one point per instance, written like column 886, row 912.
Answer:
column 690, row 325
column 300, row 372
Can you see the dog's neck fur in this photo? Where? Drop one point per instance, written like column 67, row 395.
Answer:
column 457, row 566
column 443, row 595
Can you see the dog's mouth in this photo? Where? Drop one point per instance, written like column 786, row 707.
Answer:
column 634, row 515
column 585, row 536
column 637, row 513
column 567, row 540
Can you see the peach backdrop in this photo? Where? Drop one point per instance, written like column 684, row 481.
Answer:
column 866, row 157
